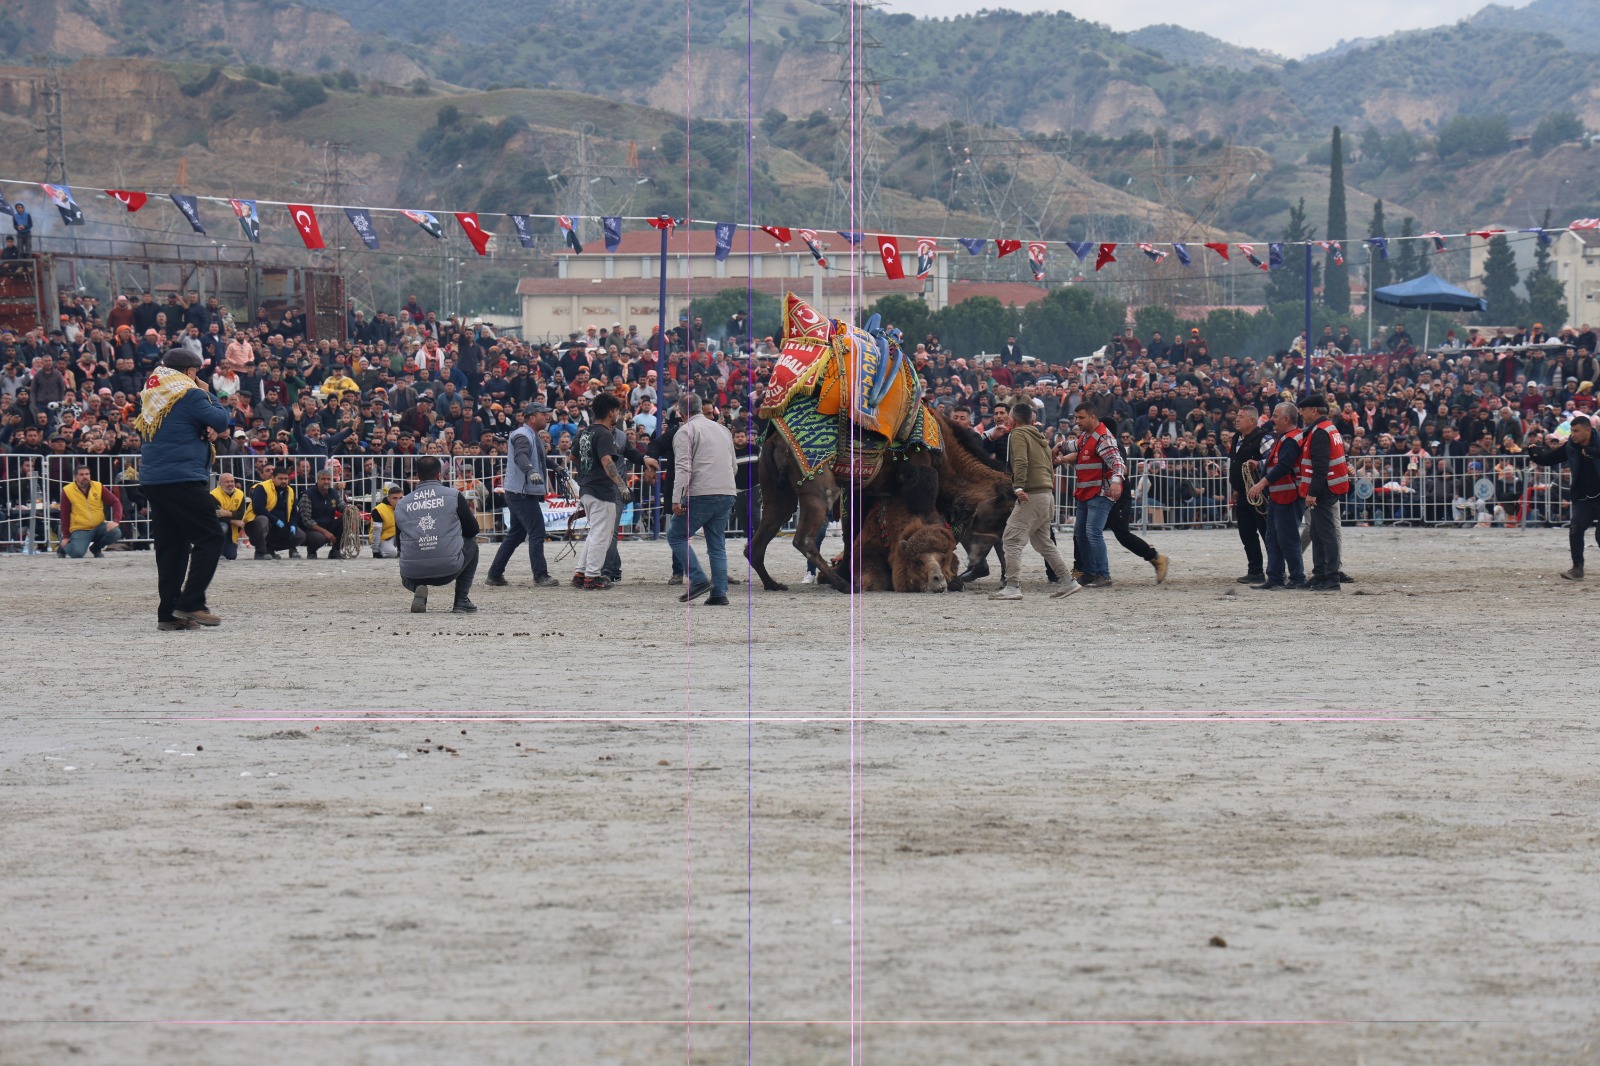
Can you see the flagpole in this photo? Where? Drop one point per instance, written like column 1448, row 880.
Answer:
column 1308, row 318
column 661, row 379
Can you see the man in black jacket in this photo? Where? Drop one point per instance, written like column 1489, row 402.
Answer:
column 1581, row 456
column 1252, row 441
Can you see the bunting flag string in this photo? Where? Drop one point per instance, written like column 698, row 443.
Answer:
column 131, row 200
column 474, row 231
column 305, row 221
column 1036, row 254
column 248, row 212
column 249, row 219
column 61, row 196
column 361, row 219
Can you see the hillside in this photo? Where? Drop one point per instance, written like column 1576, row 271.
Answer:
column 1575, row 22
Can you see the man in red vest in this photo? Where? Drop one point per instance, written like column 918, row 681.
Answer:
column 1280, row 482
column 1324, row 480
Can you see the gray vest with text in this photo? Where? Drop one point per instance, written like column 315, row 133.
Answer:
column 515, row 479
column 430, row 532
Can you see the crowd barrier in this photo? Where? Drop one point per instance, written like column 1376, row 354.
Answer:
column 1498, row 491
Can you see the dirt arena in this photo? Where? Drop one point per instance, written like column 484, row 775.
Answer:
column 1378, row 811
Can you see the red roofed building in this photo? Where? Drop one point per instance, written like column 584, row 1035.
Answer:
column 598, row 287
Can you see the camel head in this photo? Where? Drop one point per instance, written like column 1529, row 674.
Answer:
column 925, row 558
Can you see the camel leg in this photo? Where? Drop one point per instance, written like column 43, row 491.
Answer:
column 777, row 504
column 814, row 518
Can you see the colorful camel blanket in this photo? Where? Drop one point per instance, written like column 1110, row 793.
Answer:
column 818, row 440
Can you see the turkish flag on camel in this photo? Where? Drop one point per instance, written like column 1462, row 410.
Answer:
column 889, row 250
column 305, row 220
column 475, row 234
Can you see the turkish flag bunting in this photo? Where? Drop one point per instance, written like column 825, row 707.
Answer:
column 131, row 200
column 475, row 233
column 778, row 233
column 1220, row 249
column 666, row 222
column 1005, row 248
column 889, row 250
column 1484, row 233
column 305, row 220
column 1107, row 255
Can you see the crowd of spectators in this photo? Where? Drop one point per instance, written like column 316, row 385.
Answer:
column 408, row 383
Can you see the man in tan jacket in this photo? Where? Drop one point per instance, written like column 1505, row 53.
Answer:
column 1033, row 483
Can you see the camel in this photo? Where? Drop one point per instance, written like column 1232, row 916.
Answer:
column 975, row 497
column 902, row 551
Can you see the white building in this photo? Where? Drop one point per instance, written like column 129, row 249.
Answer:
column 598, row 287
column 1575, row 259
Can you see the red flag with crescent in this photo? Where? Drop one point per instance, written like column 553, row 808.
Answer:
column 131, row 200
column 1005, row 247
column 889, row 251
column 475, row 234
column 1221, row 249
column 780, row 234
column 305, row 220
column 1108, row 254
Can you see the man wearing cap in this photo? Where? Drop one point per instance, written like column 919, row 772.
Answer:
column 525, row 487
column 1581, row 455
column 1324, row 480
column 178, row 419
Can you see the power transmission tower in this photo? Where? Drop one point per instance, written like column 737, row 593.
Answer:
column 857, row 178
column 55, row 144
column 590, row 189
column 332, row 189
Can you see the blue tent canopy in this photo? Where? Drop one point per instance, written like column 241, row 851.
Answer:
column 1430, row 293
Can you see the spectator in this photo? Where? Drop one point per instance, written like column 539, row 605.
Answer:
column 385, row 528
column 232, row 506
column 274, row 523
column 91, row 516
column 322, row 511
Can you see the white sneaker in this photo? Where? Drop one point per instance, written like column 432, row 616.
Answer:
column 1012, row 592
column 1066, row 590
column 809, row 579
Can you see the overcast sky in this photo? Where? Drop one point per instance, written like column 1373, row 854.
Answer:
column 1288, row 29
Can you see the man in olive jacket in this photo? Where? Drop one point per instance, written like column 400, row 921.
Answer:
column 1033, row 484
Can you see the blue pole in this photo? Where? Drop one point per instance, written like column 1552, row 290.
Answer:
column 1308, row 319
column 661, row 381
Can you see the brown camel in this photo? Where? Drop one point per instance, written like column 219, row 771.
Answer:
column 902, row 551
column 975, row 497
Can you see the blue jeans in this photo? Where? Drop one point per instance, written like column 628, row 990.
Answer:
column 709, row 513
column 1283, row 542
column 527, row 524
column 83, row 541
column 1089, row 535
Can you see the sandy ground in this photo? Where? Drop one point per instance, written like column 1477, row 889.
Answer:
column 1385, row 803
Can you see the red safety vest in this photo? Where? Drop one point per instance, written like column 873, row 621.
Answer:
column 1338, row 470
column 1286, row 489
column 1090, row 471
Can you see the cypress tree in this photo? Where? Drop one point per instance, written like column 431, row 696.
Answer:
column 1382, row 270
column 1500, row 284
column 1336, row 279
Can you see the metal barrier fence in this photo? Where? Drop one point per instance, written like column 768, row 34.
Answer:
column 1171, row 493
column 1419, row 490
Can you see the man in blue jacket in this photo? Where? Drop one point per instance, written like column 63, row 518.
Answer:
column 178, row 419
column 1581, row 456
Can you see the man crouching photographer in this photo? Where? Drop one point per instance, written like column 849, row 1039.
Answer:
column 438, row 539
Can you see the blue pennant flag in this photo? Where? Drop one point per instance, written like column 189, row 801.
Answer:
column 1081, row 249
column 524, row 227
column 1182, row 252
column 973, row 245
column 361, row 219
column 1274, row 255
column 1381, row 244
column 612, row 224
column 724, row 240
column 853, row 236
column 191, row 211
column 1545, row 236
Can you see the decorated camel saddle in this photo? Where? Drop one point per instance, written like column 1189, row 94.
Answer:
column 844, row 397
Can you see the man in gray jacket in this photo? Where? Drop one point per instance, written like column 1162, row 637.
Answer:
column 438, row 539
column 703, row 492
column 525, row 488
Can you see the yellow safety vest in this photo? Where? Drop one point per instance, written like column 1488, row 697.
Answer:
column 383, row 518
column 272, row 497
column 232, row 503
column 87, row 511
